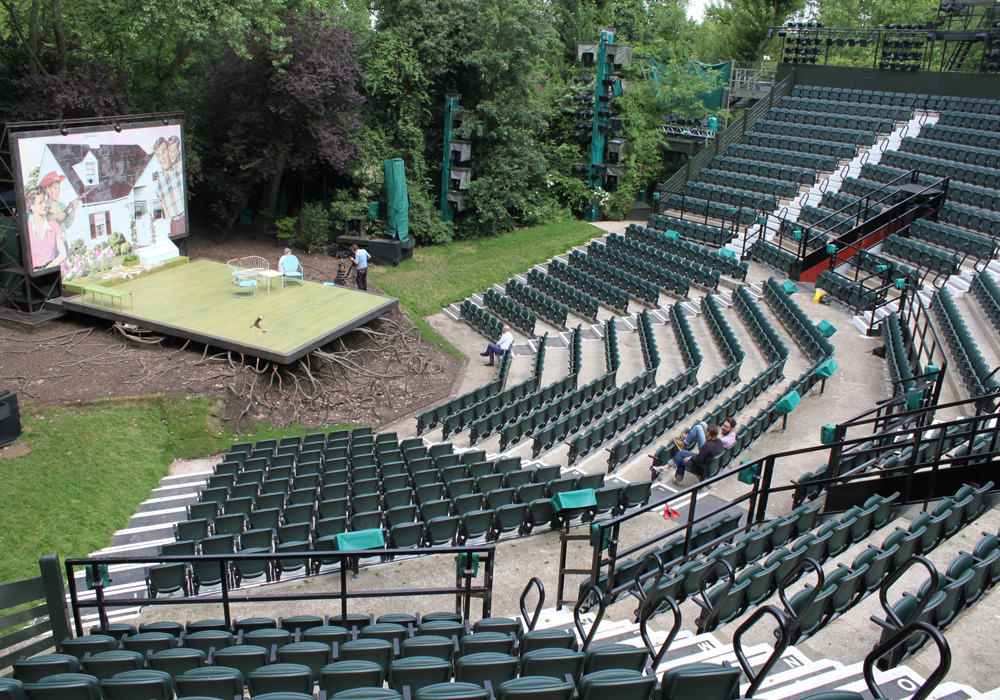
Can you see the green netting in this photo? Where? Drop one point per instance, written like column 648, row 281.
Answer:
column 397, row 200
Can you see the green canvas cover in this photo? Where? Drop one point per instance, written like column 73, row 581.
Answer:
column 581, row 498
column 360, row 539
column 397, row 200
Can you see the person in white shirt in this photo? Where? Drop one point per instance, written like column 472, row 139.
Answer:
column 500, row 347
column 696, row 436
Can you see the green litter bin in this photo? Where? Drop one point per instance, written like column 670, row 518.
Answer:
column 826, row 328
column 789, row 287
column 372, row 538
column 727, row 253
column 826, row 370
column 787, row 403
column 831, row 248
column 827, row 434
column 748, row 474
column 670, row 233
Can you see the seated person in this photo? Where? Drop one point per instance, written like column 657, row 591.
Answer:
column 289, row 266
column 696, row 436
column 500, row 347
column 685, row 458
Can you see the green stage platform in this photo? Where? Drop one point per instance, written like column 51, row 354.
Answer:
column 195, row 301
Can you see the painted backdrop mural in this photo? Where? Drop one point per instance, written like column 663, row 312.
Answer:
column 93, row 196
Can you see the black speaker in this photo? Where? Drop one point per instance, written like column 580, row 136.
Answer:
column 10, row 417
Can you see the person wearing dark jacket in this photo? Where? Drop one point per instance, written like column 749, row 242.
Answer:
column 684, row 459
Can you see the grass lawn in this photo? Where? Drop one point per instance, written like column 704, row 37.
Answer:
column 441, row 274
column 89, row 467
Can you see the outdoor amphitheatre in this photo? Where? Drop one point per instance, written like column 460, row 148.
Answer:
column 234, row 469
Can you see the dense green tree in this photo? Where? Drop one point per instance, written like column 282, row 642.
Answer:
column 740, row 26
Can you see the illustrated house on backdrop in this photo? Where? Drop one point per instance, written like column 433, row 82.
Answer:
column 117, row 186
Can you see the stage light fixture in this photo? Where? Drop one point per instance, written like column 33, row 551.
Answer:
column 118, row 128
column 64, row 131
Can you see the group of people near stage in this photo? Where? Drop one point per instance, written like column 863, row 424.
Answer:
column 358, row 259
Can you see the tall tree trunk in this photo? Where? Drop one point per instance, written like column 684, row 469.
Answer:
column 60, row 35
column 269, row 198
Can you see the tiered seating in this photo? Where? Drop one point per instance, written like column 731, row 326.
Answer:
column 848, row 205
column 985, row 157
column 953, row 238
column 641, row 263
column 798, row 168
column 744, row 181
column 971, row 365
column 960, row 135
column 772, row 255
column 922, row 255
column 900, row 368
column 545, row 306
column 612, row 296
column 482, row 320
column 804, row 331
column 987, row 293
column 816, row 134
column 861, row 187
column 678, row 273
column 669, row 242
column 854, row 294
column 703, row 233
column 955, row 115
column 730, row 347
column 456, row 422
column 987, row 222
column 810, row 216
column 647, row 341
column 574, row 420
column 428, row 419
column 964, row 172
column 633, row 285
column 511, row 311
column 576, row 350
column 729, row 195
column 522, row 418
column 685, row 338
column 581, row 302
column 761, row 330
column 888, row 270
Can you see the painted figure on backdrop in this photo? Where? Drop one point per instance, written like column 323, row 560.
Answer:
column 45, row 236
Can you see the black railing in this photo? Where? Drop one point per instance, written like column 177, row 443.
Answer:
column 470, row 559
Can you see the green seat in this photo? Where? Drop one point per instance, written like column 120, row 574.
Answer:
column 213, row 681
column 149, row 642
column 328, row 634
column 35, row 668
column 367, row 694
column 107, row 664
column 483, row 667
column 416, row 672
column 268, row 637
column 243, row 657
column 488, row 641
column 141, row 684
column 617, row 684
column 452, row 691
column 701, row 680
column 314, row 655
column 87, row 644
column 207, row 640
column 615, row 656
column 541, row 639
column 552, row 661
column 11, row 689
column 535, row 688
column 177, row 660
column 428, row 645
column 284, row 695
column 64, row 686
column 345, row 675
column 280, row 677
column 378, row 651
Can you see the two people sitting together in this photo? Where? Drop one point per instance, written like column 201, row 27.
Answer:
column 711, row 442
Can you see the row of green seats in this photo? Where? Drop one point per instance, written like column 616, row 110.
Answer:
column 900, row 368
column 838, row 121
column 854, row 137
column 862, row 188
column 677, row 265
column 575, row 419
column 612, row 296
column 960, row 135
column 970, row 120
column 986, row 157
column 723, row 212
column 457, row 421
column 816, row 223
column 485, row 423
column 729, row 195
column 921, row 255
column 482, row 320
column 653, row 429
column 633, row 285
column 612, row 355
column 652, row 271
column 854, row 294
column 987, row 293
column 884, row 111
column 511, row 311
column 723, row 334
column 428, row 419
column 963, row 172
column 690, row 352
column 971, row 364
column 848, row 204
column 647, row 341
column 875, row 97
column 799, row 143
column 548, row 308
column 803, row 166
column 772, row 255
column 973, row 195
column 525, row 417
column 581, row 302
column 651, row 268
column 954, row 238
column 981, row 220
column 795, row 321
column 745, row 181
column 721, row 260
column 607, row 428
column 760, row 328
column 576, row 350
column 703, row 233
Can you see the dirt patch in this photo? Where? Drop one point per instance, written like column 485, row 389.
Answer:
column 374, row 375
